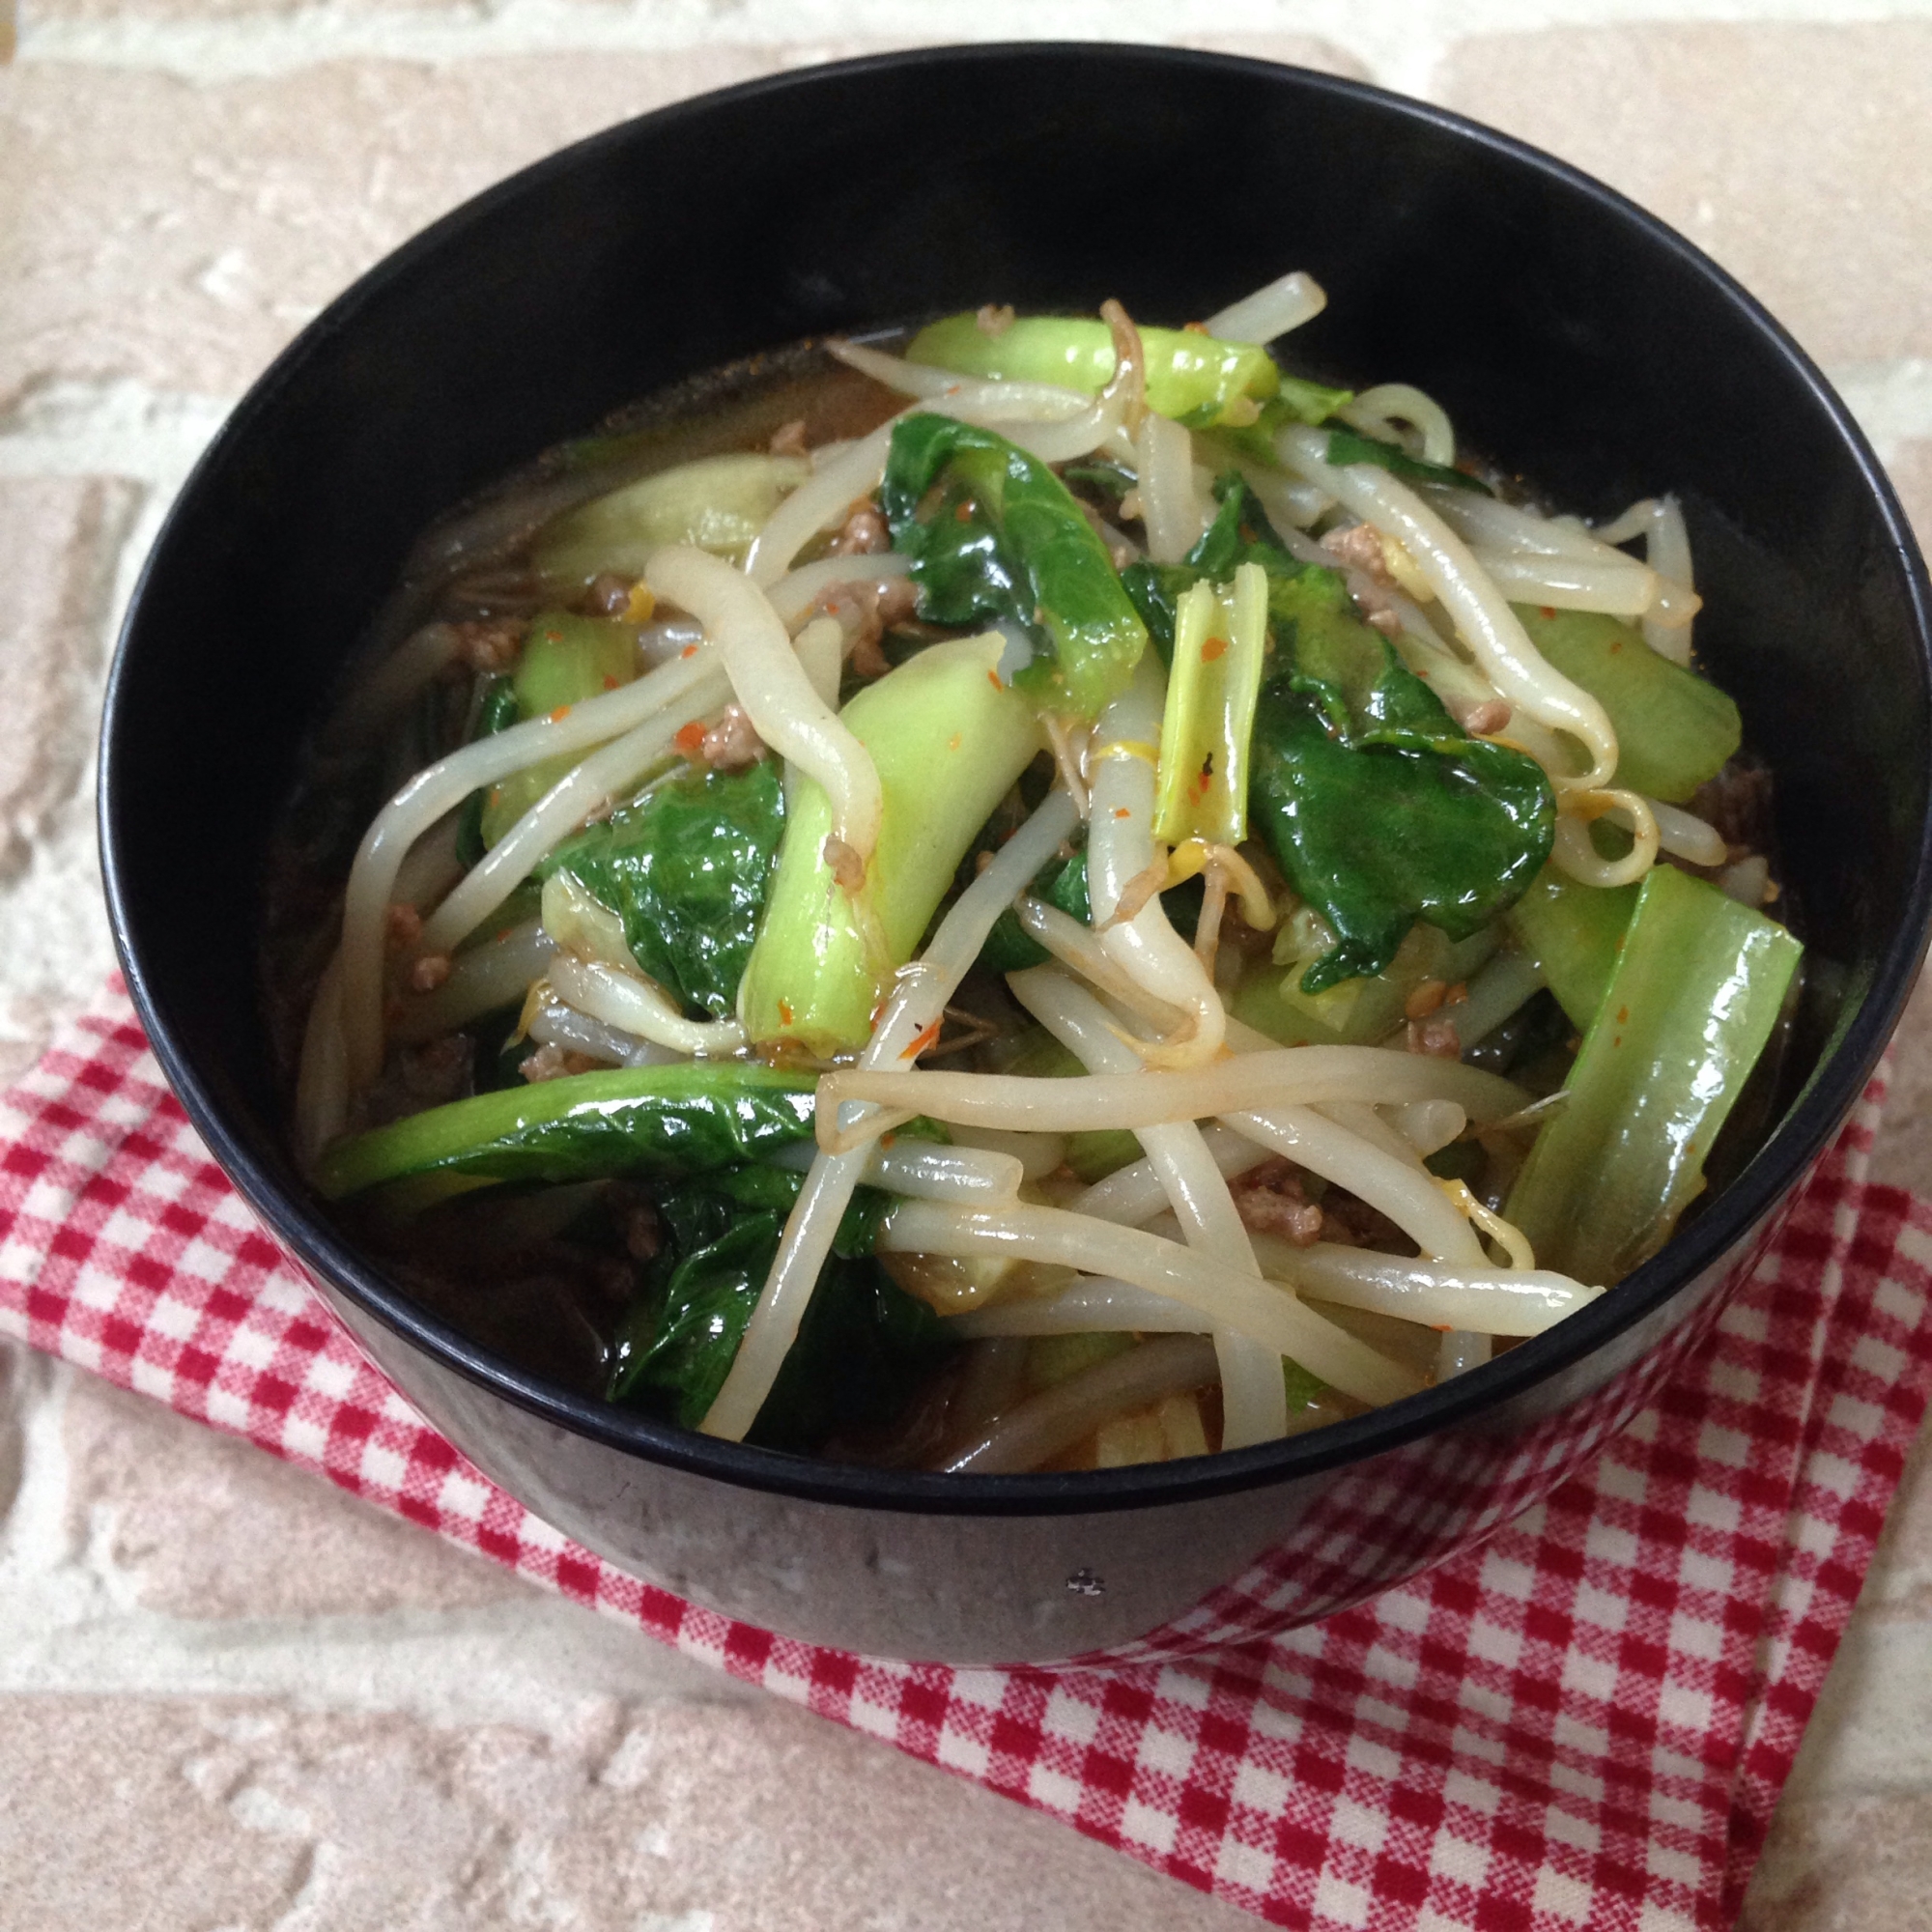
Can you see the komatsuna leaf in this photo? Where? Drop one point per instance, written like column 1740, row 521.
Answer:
column 1006, row 541
column 863, row 1349
column 686, row 868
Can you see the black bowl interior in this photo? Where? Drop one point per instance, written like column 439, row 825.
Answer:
column 1571, row 337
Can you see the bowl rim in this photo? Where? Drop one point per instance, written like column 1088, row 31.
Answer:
column 1741, row 1211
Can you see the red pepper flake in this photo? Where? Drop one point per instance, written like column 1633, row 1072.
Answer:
column 920, row 1041
column 785, row 1012
column 690, row 740
column 1623, row 1016
column 1549, row 610
column 886, row 1140
column 1213, row 648
column 689, row 651
column 963, row 514
column 561, row 712
column 993, row 678
column 954, row 743
column 609, row 682
column 1123, row 811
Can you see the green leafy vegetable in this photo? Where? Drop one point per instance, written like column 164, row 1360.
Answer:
column 1345, row 446
column 1214, row 682
column 1695, row 994
column 1574, row 933
column 948, row 740
column 1363, row 1010
column 1191, row 377
column 1006, row 540
column 720, row 503
column 682, row 1119
column 863, row 1349
column 1674, row 728
column 565, row 660
column 686, row 868
column 497, row 710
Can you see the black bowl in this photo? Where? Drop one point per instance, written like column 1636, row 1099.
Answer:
column 1571, row 336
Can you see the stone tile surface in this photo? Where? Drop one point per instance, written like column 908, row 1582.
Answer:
column 179, row 234
column 1800, row 156
column 201, row 1526
column 756, row 1819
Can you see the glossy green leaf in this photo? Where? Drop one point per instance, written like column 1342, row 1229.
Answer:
column 686, row 868
column 1008, row 542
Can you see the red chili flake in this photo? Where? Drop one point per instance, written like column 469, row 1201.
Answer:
column 561, row 712
column 1623, row 1016
column 785, row 1012
column 920, row 1041
column 1213, row 648
column 993, row 678
column 963, row 514
column 691, row 739
column 1123, row 811
column 609, row 682
column 1549, row 610
column 689, row 651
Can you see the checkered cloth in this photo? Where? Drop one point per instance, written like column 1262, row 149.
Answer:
column 1582, row 1723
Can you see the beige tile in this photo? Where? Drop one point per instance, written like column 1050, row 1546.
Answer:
column 1800, row 156
column 181, row 234
column 1845, row 1864
column 1903, row 1153
column 1911, row 470
column 59, row 541
column 1287, row 49
column 203, row 1525
column 753, row 1819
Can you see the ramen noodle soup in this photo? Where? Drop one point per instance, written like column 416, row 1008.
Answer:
column 1043, row 895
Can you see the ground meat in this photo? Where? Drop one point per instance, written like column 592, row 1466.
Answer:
column 1481, row 718
column 551, row 1063
column 994, row 318
column 788, row 439
column 1359, row 546
column 488, row 644
column 438, row 1069
column 403, row 928
column 867, row 611
column 1269, row 1198
column 865, row 534
column 731, row 743
column 1437, row 1036
column 609, row 595
column 429, row 972
column 1736, row 806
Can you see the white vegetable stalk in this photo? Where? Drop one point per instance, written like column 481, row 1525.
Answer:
column 1480, row 613
column 1482, row 1299
column 1229, row 1299
column 1170, row 506
column 636, row 1006
column 442, row 786
column 795, row 595
column 490, row 976
column 1375, row 409
column 918, row 1002
column 773, row 686
column 1245, row 1083
column 1254, row 1396
column 1271, row 311
column 1120, row 849
column 605, row 776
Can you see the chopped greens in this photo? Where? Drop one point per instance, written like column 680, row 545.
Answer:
column 686, row 868
column 1697, row 988
column 1007, row 542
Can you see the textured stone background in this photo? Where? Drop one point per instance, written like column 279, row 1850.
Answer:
column 233, row 1698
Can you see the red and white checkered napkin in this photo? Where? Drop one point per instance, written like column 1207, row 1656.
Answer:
column 1584, row 1722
